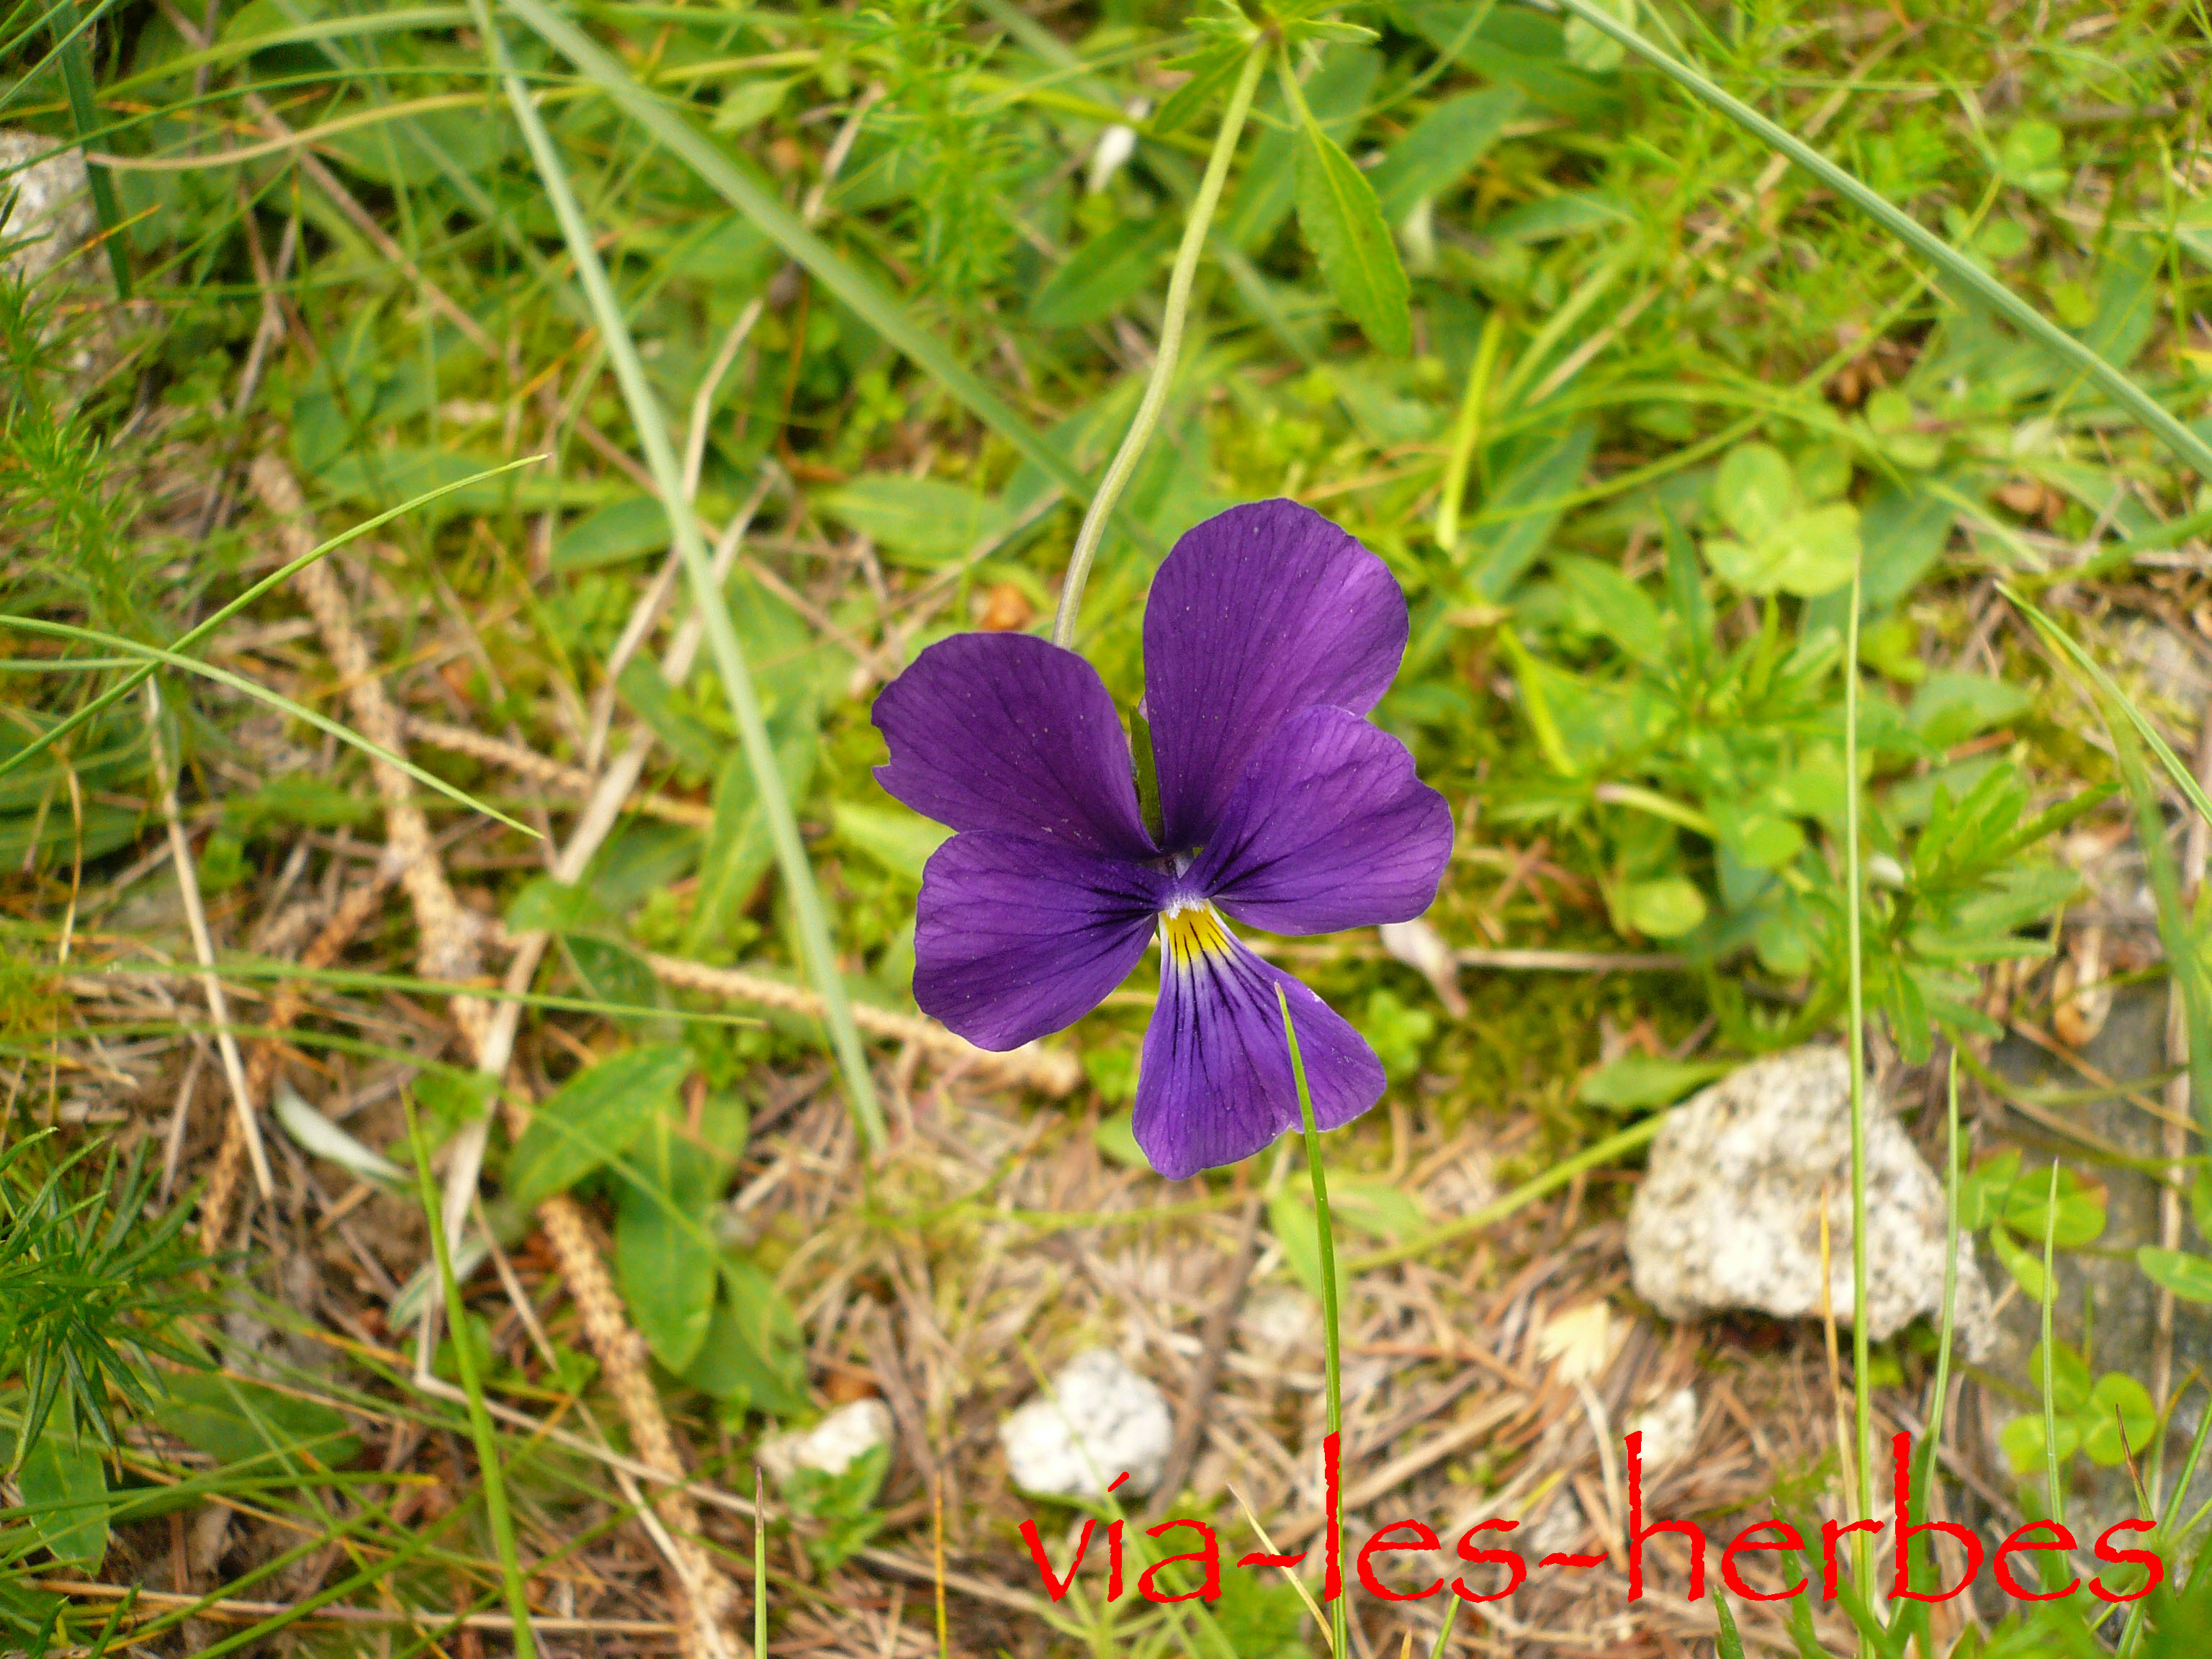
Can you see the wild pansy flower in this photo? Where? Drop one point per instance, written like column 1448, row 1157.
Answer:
column 1268, row 634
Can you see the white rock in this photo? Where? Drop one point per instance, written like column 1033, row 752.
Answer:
column 1669, row 1428
column 47, row 205
column 833, row 1445
column 1097, row 1419
column 1729, row 1215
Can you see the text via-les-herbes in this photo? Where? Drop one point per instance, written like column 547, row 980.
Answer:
column 1482, row 1544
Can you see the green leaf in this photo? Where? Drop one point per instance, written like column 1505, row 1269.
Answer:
column 1344, row 226
column 238, row 1422
column 754, row 1349
column 619, row 530
column 1290, row 1218
column 1116, row 1137
column 65, row 1496
column 1104, row 274
column 2025, row 1267
column 611, row 973
column 1532, row 475
column 739, row 850
column 897, row 838
column 593, row 1118
column 649, row 695
column 1950, row 707
column 1808, row 554
column 1379, row 1207
column 1624, row 612
column 1634, row 1081
column 1666, row 908
column 1212, row 73
column 1442, row 145
column 2119, row 1418
column 920, row 521
column 2188, row 1277
column 2022, row 1440
column 665, row 1257
column 748, row 104
column 2081, row 1213
column 1754, row 490
column 1587, row 49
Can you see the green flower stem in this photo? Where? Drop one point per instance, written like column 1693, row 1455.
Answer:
column 1172, row 319
column 1854, row 891
column 809, row 922
column 1970, row 277
column 1331, row 1330
column 2051, row 1472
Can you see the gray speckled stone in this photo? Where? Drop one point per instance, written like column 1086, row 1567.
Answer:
column 47, row 202
column 1728, row 1216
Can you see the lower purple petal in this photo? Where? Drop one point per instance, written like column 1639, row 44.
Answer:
column 1329, row 829
column 1214, row 1084
column 1015, row 937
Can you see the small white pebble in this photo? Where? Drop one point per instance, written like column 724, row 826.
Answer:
column 832, row 1445
column 1097, row 1419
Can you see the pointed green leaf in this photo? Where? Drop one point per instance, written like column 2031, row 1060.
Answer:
column 665, row 1254
column 1344, row 226
column 65, row 1493
column 593, row 1118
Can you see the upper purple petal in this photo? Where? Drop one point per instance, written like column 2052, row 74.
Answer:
column 1214, row 1083
column 1014, row 937
column 1259, row 612
column 1007, row 731
column 1330, row 829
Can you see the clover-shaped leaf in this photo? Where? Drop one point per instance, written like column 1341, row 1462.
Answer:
column 1780, row 544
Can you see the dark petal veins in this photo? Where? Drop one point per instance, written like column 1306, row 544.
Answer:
column 1214, row 1084
column 1014, row 938
column 1258, row 613
column 1329, row 829
column 1006, row 732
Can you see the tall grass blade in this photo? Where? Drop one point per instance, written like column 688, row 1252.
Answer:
column 1854, row 921
column 2126, row 723
column 1331, row 1315
column 874, row 307
column 2049, row 1380
column 192, row 636
column 496, row 1512
column 810, row 921
column 84, row 112
column 159, row 658
column 1962, row 270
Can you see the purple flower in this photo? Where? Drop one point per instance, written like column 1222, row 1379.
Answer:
column 1268, row 634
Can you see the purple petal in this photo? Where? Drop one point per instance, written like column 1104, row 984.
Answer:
column 1329, row 829
column 1014, row 938
column 1214, row 1084
column 1007, row 731
column 1259, row 612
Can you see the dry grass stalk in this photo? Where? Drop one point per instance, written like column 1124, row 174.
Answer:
column 569, row 780
column 447, row 950
column 188, row 888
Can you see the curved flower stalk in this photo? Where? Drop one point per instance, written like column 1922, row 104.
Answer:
column 1268, row 635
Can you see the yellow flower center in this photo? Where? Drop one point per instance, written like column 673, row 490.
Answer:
column 1192, row 929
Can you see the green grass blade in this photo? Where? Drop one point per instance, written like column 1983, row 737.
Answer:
column 192, row 636
column 1854, row 1030
column 647, row 415
column 1969, row 276
column 1727, row 1644
column 2126, row 723
column 1331, row 1315
column 1451, row 1618
column 496, row 1512
column 2049, row 1379
column 239, row 682
column 84, row 111
column 874, row 307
